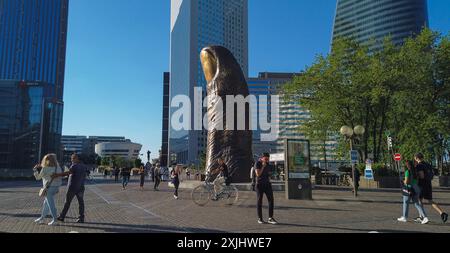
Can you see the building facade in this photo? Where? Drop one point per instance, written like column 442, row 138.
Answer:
column 290, row 119
column 126, row 150
column 364, row 20
column 33, row 38
column 30, row 125
column 196, row 24
column 164, row 154
column 266, row 84
column 84, row 145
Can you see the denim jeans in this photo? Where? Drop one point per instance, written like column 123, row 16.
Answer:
column 125, row 180
column 49, row 203
column 417, row 203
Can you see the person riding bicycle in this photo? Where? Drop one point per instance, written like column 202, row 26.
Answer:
column 222, row 178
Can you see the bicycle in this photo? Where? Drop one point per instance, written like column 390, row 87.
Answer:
column 202, row 194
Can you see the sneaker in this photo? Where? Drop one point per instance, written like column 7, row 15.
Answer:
column 425, row 221
column 61, row 219
column 272, row 221
column 261, row 221
column 53, row 223
column 39, row 221
column 418, row 219
column 175, row 196
column 402, row 219
column 80, row 220
column 444, row 217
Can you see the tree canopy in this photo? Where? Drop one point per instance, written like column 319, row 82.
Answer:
column 403, row 90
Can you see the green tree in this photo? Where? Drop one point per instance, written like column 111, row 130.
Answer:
column 137, row 163
column 403, row 89
column 106, row 161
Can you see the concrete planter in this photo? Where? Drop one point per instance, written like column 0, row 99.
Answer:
column 380, row 183
column 444, row 181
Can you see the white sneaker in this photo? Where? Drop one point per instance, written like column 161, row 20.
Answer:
column 402, row 219
column 39, row 221
column 53, row 223
column 175, row 197
column 425, row 221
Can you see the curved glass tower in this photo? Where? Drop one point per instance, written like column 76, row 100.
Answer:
column 363, row 20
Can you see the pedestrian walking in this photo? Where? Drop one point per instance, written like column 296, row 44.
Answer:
column 142, row 177
column 125, row 173
column 50, row 186
column 188, row 174
column 263, row 172
column 425, row 175
column 116, row 174
column 157, row 175
column 75, row 188
column 411, row 191
column 356, row 178
column 175, row 175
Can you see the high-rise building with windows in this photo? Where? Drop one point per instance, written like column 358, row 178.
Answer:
column 164, row 155
column 364, row 20
column 196, row 24
column 290, row 119
column 33, row 38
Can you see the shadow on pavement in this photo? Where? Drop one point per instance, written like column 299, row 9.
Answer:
column 348, row 229
column 129, row 228
column 297, row 208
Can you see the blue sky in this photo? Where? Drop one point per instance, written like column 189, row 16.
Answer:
column 118, row 50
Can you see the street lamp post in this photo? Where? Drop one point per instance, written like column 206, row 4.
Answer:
column 352, row 134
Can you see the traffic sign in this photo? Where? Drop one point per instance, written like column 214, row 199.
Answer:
column 390, row 144
column 398, row 157
column 368, row 174
column 354, row 156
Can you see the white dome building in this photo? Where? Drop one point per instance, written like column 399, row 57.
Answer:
column 126, row 150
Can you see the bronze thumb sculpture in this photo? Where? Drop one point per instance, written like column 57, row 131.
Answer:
column 225, row 78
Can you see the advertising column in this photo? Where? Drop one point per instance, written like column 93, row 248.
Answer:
column 298, row 167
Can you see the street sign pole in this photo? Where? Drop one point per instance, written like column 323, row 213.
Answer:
column 355, row 193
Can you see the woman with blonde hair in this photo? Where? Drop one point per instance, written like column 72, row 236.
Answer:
column 44, row 171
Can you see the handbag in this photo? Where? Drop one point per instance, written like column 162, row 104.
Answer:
column 43, row 191
column 407, row 191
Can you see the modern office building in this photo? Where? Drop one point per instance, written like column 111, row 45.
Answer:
column 266, row 84
column 291, row 116
column 196, row 24
column 74, row 143
column 164, row 154
column 84, row 145
column 33, row 38
column 126, row 150
column 364, row 20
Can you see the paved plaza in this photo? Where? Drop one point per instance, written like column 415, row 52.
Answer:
column 110, row 209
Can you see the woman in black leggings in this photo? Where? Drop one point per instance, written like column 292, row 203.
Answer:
column 176, row 179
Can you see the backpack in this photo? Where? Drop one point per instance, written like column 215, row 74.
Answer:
column 429, row 173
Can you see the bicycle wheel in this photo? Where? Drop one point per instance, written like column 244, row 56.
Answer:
column 232, row 195
column 201, row 195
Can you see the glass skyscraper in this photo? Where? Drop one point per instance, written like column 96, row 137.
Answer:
column 364, row 20
column 196, row 24
column 33, row 38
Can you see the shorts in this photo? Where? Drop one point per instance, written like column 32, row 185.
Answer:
column 426, row 192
